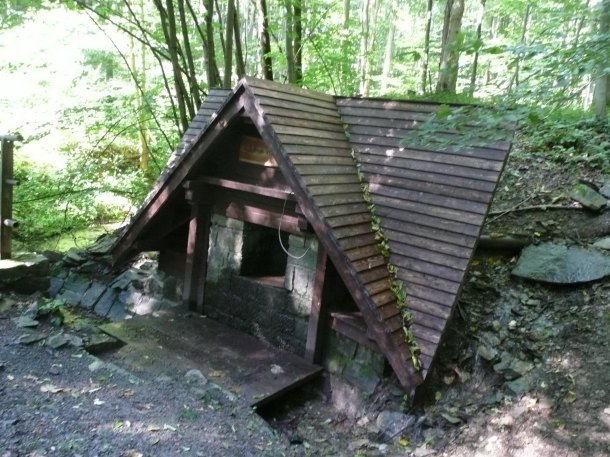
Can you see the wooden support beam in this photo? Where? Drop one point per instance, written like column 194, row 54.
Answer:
column 318, row 314
column 197, row 257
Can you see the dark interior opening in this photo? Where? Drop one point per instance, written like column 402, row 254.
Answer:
column 262, row 255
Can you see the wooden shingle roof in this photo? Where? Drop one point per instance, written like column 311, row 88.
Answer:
column 431, row 203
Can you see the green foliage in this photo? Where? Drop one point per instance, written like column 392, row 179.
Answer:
column 52, row 310
column 568, row 141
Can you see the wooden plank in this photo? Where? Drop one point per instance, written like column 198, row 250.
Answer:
column 434, row 282
column 436, row 211
column 282, row 194
column 6, row 195
column 426, row 347
column 174, row 343
column 290, row 113
column 359, row 241
column 413, row 251
column 432, row 177
column 369, row 262
column 293, row 149
column 303, row 159
column 384, row 104
column 330, row 188
column 196, row 258
column 413, row 163
column 426, row 243
column 353, row 230
column 362, row 252
column 378, row 286
column 298, row 97
column 336, row 134
column 431, row 199
column 344, row 210
column 314, row 180
column 439, row 156
column 432, row 233
column 258, row 84
column 342, row 221
column 321, row 170
column 313, row 345
column 315, row 124
column 422, row 265
column 374, row 274
column 339, row 199
column 389, row 309
column 431, row 188
column 352, row 326
column 286, row 138
column 430, row 295
column 417, row 215
column 316, row 109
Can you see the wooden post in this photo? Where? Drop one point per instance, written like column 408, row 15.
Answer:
column 197, row 248
column 317, row 317
column 6, row 195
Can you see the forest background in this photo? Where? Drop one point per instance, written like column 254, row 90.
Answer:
column 102, row 90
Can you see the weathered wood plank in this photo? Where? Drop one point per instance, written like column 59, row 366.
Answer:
column 335, row 134
column 422, row 265
column 431, row 188
column 353, row 230
column 260, row 84
column 441, row 259
column 427, row 243
column 345, row 210
column 378, row 286
column 318, row 313
column 314, row 180
column 429, row 280
column 432, row 177
column 297, row 99
column 359, row 241
column 303, row 159
column 290, row 113
column 374, row 274
column 342, row 221
column 369, row 262
column 362, row 252
column 413, row 163
column 309, row 124
column 339, row 199
column 317, row 151
column 417, row 215
column 371, row 104
column 327, row 189
column 319, row 170
column 312, row 141
column 430, row 199
column 431, row 295
column 433, row 233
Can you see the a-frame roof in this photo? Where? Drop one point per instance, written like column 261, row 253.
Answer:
column 432, row 204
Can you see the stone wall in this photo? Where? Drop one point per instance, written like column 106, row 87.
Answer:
column 278, row 315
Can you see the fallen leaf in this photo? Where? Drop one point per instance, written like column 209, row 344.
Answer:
column 154, row 441
column 451, row 419
column 153, row 428
column 98, row 402
column 215, row 374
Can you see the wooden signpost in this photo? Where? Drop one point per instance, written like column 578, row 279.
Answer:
column 6, row 194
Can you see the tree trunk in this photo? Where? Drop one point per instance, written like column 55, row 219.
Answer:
column 265, row 41
column 426, row 56
column 192, row 72
column 600, row 95
column 289, row 31
column 389, row 48
column 229, row 44
column 298, row 40
column 475, row 62
column 239, row 54
column 168, row 25
column 450, row 52
column 514, row 82
column 212, row 70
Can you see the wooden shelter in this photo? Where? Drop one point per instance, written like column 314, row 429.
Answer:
column 292, row 160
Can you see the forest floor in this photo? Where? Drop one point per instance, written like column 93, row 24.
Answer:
column 525, row 371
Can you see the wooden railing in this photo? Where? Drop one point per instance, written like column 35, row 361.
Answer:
column 7, row 181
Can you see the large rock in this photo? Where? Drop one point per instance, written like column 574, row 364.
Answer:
column 23, row 265
column 559, row 264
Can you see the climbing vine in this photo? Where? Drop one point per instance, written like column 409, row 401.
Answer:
column 396, row 286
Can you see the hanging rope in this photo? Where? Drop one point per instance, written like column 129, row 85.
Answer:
column 279, row 237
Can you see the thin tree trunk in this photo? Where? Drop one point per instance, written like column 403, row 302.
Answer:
column 212, row 70
column 450, row 53
column 426, row 57
column 290, row 64
column 190, row 64
column 220, row 25
column 475, row 62
column 600, row 95
column 239, row 54
column 514, row 82
column 389, row 48
column 229, row 43
column 168, row 25
column 298, row 40
column 265, row 41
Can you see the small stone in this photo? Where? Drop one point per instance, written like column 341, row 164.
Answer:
column 195, row 376
column 31, row 338
column 276, row 370
column 487, row 353
column 518, row 386
column 73, row 256
column 74, row 340
column 26, row 322
column 605, row 190
column 96, row 365
column 57, row 341
column 392, row 423
column 604, row 243
column 54, row 370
